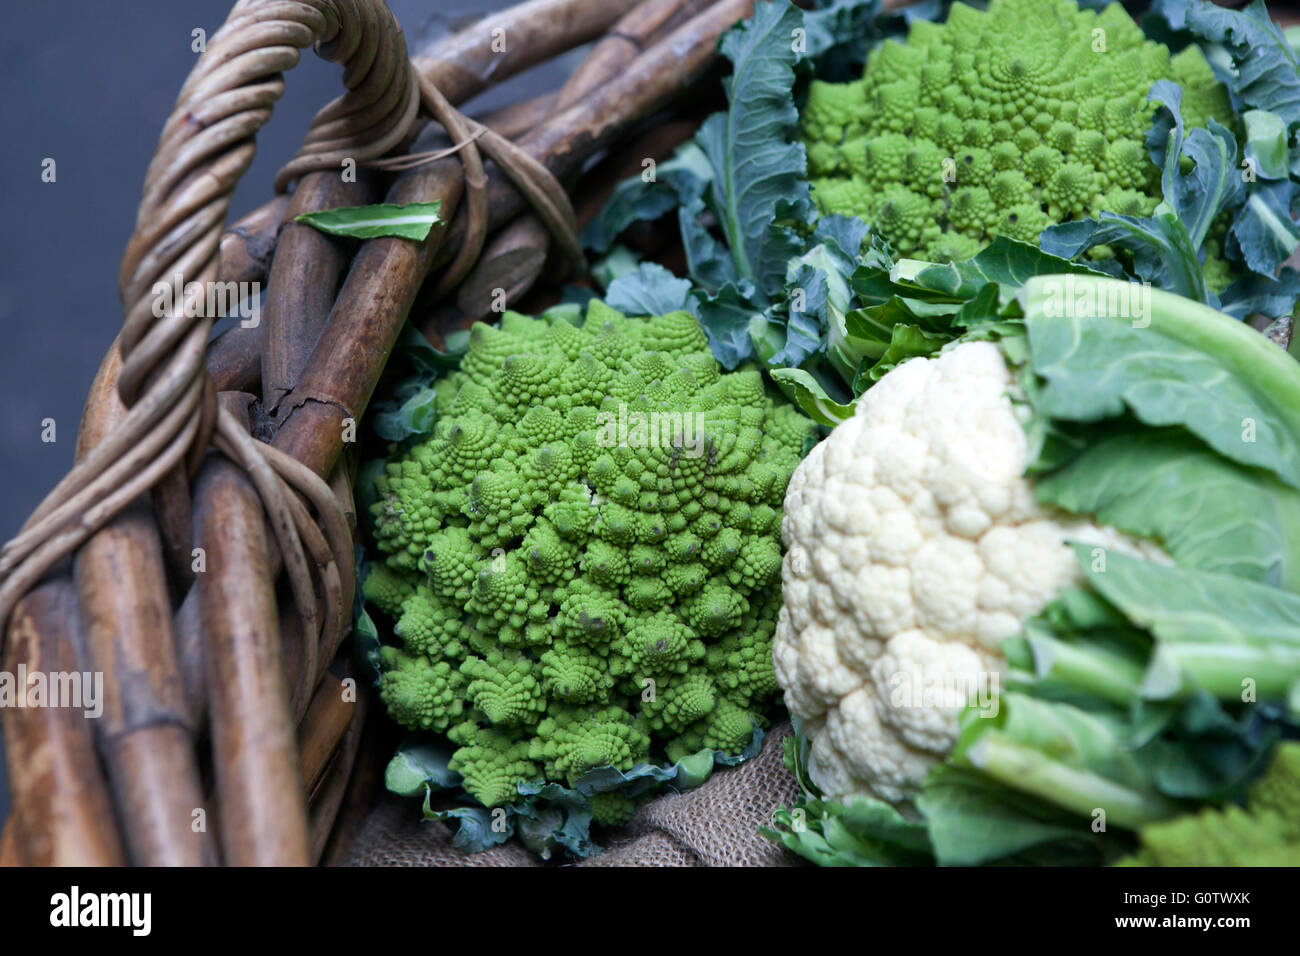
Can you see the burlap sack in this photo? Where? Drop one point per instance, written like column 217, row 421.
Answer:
column 713, row 825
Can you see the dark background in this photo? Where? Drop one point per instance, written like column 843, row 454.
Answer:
column 89, row 84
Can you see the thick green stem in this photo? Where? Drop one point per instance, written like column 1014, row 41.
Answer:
column 1071, row 788
column 1110, row 676
column 1227, row 671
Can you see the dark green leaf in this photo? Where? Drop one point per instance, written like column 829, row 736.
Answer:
column 844, row 235
column 1255, row 294
column 650, row 290
column 973, row 820
column 1207, row 511
column 1266, row 229
column 1267, row 74
column 811, row 398
column 417, row 765
column 807, row 293
column 1213, row 631
column 726, row 319
column 639, row 199
column 758, row 170
column 1007, row 263
column 1162, row 252
column 906, row 341
column 1169, row 362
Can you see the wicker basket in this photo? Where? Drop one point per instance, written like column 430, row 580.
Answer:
column 200, row 553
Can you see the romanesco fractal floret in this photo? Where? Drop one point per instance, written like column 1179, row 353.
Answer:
column 998, row 123
column 584, row 558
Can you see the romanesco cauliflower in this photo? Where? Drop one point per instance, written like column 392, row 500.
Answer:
column 998, row 123
column 584, row 559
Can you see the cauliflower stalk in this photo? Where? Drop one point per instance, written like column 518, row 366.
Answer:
column 914, row 546
column 582, row 559
column 995, row 123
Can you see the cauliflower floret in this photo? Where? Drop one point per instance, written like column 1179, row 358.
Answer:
column 856, row 736
column 914, row 547
column 920, row 687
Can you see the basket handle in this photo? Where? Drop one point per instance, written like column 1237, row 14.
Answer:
column 206, row 145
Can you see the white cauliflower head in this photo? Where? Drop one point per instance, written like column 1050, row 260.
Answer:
column 914, row 546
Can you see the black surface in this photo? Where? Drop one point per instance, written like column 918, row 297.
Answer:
column 89, row 84
column 1083, row 904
